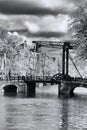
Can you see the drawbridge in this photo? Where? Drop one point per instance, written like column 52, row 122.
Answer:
column 65, row 46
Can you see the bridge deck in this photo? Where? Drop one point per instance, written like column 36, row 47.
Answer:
column 45, row 79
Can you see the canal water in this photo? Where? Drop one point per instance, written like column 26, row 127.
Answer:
column 44, row 112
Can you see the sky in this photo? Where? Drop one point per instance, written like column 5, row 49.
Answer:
column 45, row 18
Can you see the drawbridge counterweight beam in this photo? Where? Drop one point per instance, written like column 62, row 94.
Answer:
column 65, row 46
column 54, row 44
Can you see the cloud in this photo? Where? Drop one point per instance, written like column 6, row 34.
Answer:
column 47, row 26
column 54, row 23
column 34, row 28
column 47, row 34
column 37, row 7
column 37, row 26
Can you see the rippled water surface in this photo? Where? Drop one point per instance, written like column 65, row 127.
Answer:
column 44, row 112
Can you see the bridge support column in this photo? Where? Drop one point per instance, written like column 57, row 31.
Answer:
column 66, row 88
column 31, row 89
column 65, row 58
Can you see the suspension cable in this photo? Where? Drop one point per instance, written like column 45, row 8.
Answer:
column 75, row 66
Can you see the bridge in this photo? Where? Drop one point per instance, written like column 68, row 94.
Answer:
column 27, row 84
column 66, row 83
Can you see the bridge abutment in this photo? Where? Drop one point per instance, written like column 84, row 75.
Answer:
column 31, row 89
column 66, row 88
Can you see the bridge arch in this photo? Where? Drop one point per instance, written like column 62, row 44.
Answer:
column 80, row 90
column 10, row 88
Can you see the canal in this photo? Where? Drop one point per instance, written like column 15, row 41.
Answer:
column 44, row 112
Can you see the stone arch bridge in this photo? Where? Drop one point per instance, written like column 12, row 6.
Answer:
column 66, row 85
column 13, row 86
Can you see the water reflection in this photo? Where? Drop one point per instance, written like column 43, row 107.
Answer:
column 64, row 113
column 43, row 112
column 10, row 94
column 11, row 120
column 8, row 110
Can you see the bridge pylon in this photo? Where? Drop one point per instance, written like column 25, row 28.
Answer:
column 65, row 58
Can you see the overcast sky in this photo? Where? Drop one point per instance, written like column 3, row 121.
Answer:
column 46, row 18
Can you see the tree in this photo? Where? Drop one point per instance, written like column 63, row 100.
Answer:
column 10, row 48
column 78, row 28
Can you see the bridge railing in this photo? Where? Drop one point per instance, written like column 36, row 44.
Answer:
column 27, row 78
column 36, row 78
column 12, row 78
column 17, row 78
